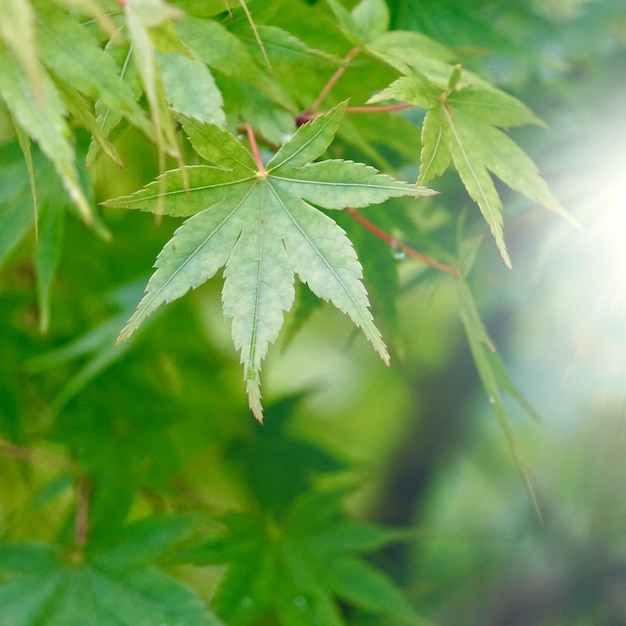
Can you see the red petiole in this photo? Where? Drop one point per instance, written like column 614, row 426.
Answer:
column 398, row 244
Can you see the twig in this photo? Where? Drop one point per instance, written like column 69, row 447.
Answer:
column 81, row 519
column 259, row 41
column 386, row 109
column 394, row 242
column 28, row 455
column 307, row 116
column 255, row 150
column 260, row 138
column 331, row 82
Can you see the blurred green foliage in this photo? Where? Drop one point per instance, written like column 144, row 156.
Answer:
column 135, row 486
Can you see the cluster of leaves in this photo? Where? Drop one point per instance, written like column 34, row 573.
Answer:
column 256, row 145
column 254, row 219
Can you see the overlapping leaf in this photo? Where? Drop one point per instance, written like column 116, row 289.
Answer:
column 260, row 224
column 41, row 587
column 465, row 117
column 304, row 564
column 463, row 127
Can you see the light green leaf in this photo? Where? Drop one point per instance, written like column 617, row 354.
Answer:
column 165, row 39
column 46, row 124
column 94, row 9
column 415, row 89
column 515, row 168
column 436, row 155
column 17, row 29
column 141, row 15
column 190, row 88
column 81, row 111
column 493, row 106
column 469, row 157
column 314, row 139
column 344, row 18
column 371, row 19
column 224, row 52
column 463, row 126
column 287, row 52
column 107, row 118
column 409, row 51
column 75, row 56
column 368, row 20
column 260, row 225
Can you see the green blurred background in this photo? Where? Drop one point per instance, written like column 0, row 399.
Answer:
column 419, row 439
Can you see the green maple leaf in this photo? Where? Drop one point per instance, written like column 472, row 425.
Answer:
column 464, row 127
column 304, row 563
column 42, row 586
column 260, row 224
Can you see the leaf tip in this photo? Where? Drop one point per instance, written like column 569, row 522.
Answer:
column 253, row 389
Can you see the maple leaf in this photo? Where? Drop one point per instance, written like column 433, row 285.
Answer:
column 463, row 127
column 305, row 563
column 41, row 584
column 260, row 223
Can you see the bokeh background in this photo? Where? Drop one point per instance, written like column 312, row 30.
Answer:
column 418, row 439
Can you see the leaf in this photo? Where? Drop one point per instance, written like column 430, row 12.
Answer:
column 304, row 564
column 75, row 56
column 289, row 56
column 224, row 52
column 412, row 51
column 97, row 344
column 141, row 16
column 469, row 160
column 45, row 123
column 493, row 376
column 142, row 541
column 260, row 225
column 93, row 9
column 371, row 19
column 17, row 29
column 463, row 127
column 43, row 588
column 190, row 88
column 367, row 20
column 360, row 583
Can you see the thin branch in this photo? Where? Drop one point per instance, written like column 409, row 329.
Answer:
column 28, row 455
column 307, row 116
column 259, row 41
column 260, row 138
column 81, row 518
column 386, row 109
column 331, row 82
column 255, row 149
column 398, row 244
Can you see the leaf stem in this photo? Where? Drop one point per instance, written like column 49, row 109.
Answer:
column 331, row 82
column 385, row 109
column 255, row 149
column 81, row 519
column 307, row 116
column 259, row 41
column 28, row 455
column 394, row 242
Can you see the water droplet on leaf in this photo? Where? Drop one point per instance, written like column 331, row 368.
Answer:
column 300, row 602
column 398, row 253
